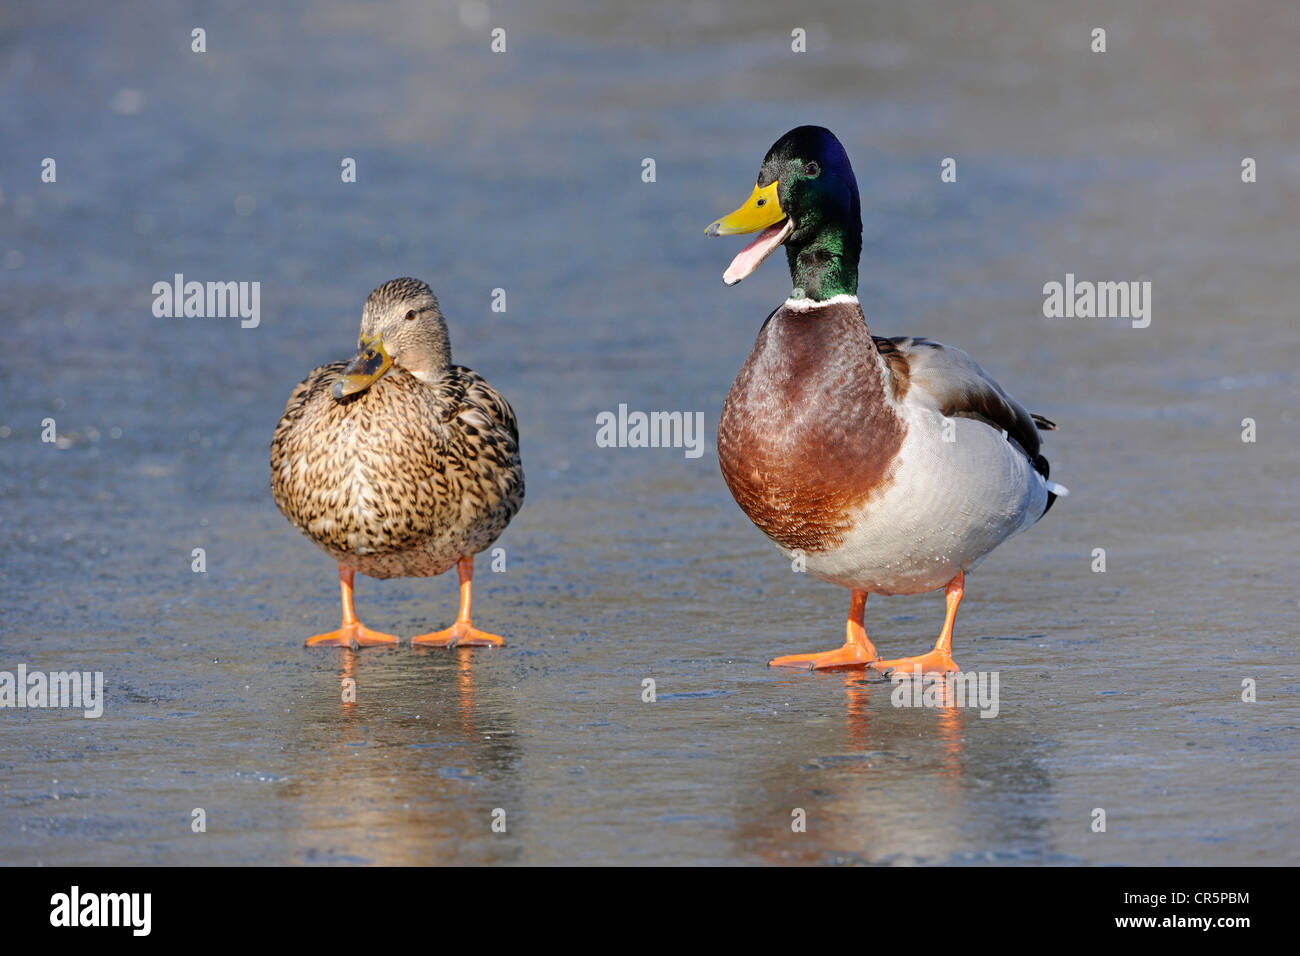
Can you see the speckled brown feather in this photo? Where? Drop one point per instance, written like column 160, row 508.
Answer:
column 403, row 478
column 806, row 435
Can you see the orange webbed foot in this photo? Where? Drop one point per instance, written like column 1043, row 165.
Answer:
column 850, row 655
column 934, row 664
column 460, row 634
column 857, row 651
column 352, row 635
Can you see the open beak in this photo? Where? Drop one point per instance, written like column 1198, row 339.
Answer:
column 761, row 211
column 367, row 367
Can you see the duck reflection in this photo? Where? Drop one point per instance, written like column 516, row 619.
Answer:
column 408, row 766
column 895, row 783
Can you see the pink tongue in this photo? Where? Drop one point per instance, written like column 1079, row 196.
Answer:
column 756, row 252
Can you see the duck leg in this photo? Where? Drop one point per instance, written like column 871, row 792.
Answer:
column 939, row 660
column 462, row 633
column 353, row 633
column 858, row 651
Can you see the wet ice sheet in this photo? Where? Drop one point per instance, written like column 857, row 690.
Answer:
column 1118, row 690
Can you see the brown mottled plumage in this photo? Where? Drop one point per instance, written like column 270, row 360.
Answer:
column 402, row 479
column 398, row 469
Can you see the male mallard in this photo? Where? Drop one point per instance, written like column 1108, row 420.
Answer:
column 398, row 463
column 890, row 465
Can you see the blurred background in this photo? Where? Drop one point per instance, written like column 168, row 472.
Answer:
column 522, row 171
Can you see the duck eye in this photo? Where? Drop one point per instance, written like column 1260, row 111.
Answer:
column 410, row 315
column 813, row 170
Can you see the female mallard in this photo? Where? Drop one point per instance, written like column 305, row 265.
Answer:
column 889, row 465
column 398, row 463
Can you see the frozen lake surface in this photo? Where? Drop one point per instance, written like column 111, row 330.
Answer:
column 522, row 171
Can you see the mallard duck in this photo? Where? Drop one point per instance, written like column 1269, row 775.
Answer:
column 398, row 463
column 892, row 465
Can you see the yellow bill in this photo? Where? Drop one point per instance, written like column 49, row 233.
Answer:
column 368, row 366
column 762, row 210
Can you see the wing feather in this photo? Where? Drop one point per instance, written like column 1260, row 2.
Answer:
column 954, row 383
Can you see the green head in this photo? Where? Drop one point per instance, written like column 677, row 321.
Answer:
column 806, row 199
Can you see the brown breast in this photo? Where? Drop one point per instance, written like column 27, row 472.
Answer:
column 806, row 434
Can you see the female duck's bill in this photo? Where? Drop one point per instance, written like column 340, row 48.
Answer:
column 368, row 366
